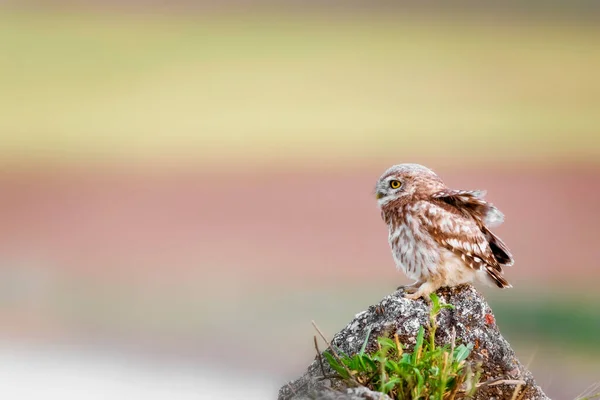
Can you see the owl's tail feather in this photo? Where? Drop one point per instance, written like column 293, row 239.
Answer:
column 496, row 275
column 499, row 249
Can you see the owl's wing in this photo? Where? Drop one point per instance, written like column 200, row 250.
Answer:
column 486, row 215
column 471, row 202
column 463, row 236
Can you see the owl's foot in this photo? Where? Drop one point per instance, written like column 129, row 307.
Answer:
column 412, row 288
column 423, row 291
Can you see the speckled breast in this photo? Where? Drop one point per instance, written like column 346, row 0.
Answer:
column 413, row 252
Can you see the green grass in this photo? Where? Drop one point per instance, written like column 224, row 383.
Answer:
column 428, row 372
column 285, row 87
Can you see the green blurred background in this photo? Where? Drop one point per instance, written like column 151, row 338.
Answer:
column 186, row 186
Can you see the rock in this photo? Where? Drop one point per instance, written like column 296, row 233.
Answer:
column 471, row 320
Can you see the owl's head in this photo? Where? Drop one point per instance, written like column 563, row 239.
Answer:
column 405, row 182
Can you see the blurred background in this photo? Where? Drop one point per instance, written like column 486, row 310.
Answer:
column 185, row 185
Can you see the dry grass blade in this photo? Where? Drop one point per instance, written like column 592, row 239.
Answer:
column 334, row 352
column 517, row 394
column 291, row 388
column 319, row 357
column 500, row 381
column 592, row 392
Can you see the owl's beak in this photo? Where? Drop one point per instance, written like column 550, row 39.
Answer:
column 379, row 194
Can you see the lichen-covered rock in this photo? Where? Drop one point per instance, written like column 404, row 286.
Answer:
column 471, row 320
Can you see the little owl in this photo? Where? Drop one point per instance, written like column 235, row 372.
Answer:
column 438, row 236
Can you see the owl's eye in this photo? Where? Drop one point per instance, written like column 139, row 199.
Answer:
column 395, row 184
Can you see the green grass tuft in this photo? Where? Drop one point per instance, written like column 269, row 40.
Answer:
column 428, row 372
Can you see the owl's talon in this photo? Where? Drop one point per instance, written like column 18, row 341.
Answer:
column 415, row 295
column 408, row 289
column 423, row 291
column 418, row 295
column 412, row 296
column 412, row 288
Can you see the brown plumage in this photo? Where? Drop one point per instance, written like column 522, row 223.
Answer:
column 440, row 237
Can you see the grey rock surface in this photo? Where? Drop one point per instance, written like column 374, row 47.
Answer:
column 471, row 320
